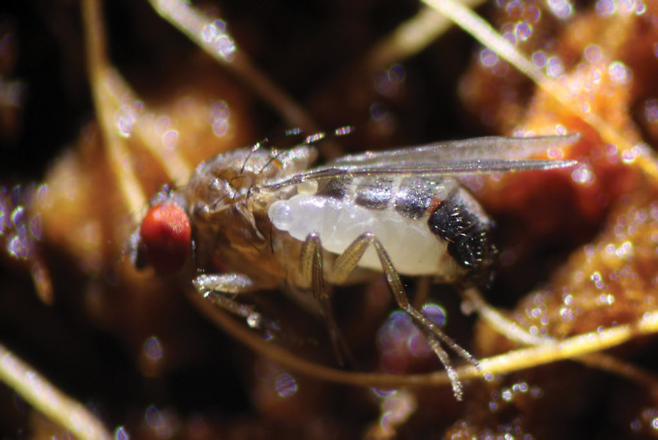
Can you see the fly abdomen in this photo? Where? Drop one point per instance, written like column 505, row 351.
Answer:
column 461, row 222
column 411, row 246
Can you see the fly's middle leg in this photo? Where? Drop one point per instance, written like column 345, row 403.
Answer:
column 312, row 270
column 347, row 262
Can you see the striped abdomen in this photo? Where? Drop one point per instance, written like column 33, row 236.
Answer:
column 429, row 226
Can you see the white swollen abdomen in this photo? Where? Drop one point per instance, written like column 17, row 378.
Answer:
column 413, row 249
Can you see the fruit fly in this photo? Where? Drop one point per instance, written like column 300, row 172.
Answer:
column 259, row 218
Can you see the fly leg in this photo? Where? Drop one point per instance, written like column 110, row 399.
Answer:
column 221, row 290
column 347, row 262
column 312, row 270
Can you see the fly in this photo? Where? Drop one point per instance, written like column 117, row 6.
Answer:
column 258, row 218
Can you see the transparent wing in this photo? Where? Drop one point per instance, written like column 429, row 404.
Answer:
column 468, row 167
column 494, row 147
column 473, row 156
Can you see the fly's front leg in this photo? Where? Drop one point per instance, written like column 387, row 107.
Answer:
column 221, row 290
column 312, row 270
column 347, row 262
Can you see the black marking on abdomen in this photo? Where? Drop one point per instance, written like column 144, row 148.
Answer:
column 468, row 236
column 415, row 196
column 374, row 193
column 336, row 188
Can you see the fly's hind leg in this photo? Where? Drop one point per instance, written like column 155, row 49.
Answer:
column 312, row 269
column 221, row 290
column 347, row 262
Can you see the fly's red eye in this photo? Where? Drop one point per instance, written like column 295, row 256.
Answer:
column 166, row 236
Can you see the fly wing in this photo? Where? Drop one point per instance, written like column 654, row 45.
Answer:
column 468, row 157
column 412, row 167
column 484, row 148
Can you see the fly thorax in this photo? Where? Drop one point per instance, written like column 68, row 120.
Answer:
column 234, row 176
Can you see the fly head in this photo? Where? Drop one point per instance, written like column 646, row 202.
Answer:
column 164, row 237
